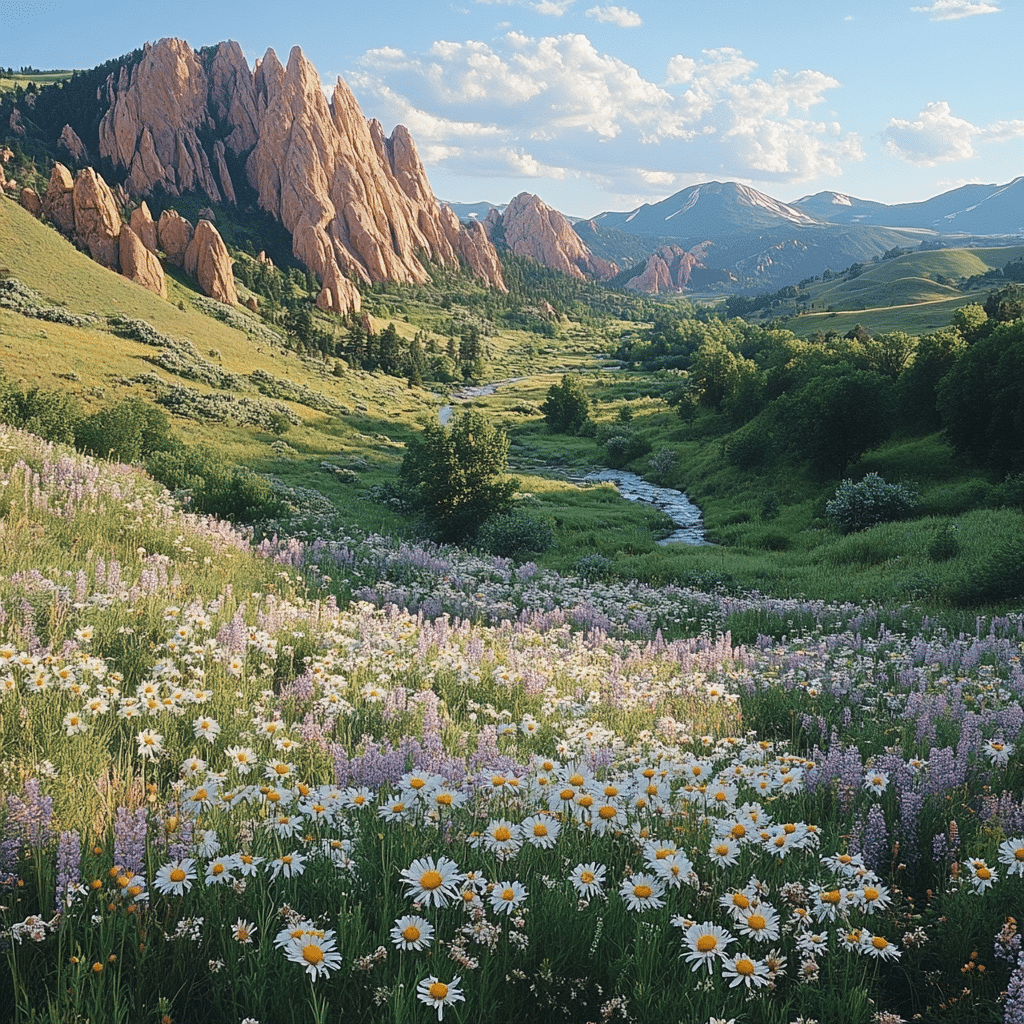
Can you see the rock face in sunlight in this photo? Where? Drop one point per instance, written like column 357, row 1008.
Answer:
column 534, row 229
column 667, row 270
column 356, row 202
column 207, row 260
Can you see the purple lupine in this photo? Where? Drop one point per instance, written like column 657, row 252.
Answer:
column 69, row 861
column 131, row 830
column 874, row 842
column 1013, row 1008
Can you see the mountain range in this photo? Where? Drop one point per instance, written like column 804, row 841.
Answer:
column 167, row 121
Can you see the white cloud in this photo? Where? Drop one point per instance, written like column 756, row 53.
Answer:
column 950, row 10
column 556, row 106
column 939, row 136
column 621, row 16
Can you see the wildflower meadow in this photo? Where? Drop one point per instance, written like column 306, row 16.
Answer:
column 350, row 778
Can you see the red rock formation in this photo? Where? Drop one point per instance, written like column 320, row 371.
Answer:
column 74, row 146
column 357, row 203
column 667, row 270
column 150, row 128
column 97, row 218
column 144, row 226
column 59, row 200
column 140, row 265
column 30, row 200
column 534, row 229
column 173, row 234
column 207, row 260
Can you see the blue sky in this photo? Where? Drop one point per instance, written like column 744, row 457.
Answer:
column 597, row 106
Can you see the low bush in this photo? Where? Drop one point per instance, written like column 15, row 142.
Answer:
column 868, row 502
column 514, row 534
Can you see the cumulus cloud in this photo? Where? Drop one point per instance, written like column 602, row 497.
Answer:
column 939, row 136
column 557, row 106
column 950, row 10
column 621, row 16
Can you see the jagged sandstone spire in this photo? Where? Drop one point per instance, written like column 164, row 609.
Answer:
column 357, row 203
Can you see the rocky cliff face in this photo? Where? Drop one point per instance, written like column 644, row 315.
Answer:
column 357, row 203
column 667, row 270
column 536, row 230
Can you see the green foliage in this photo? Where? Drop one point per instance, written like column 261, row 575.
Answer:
column 567, row 406
column 997, row 577
column 515, row 534
column 125, row 432
column 982, row 402
column 837, row 417
column 454, row 476
column 944, row 544
column 917, row 388
column 868, row 502
column 623, row 446
column 49, row 414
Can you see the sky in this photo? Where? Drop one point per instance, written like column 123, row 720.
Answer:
column 596, row 106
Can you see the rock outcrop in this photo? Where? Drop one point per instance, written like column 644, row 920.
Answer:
column 144, row 226
column 173, row 236
column 138, row 264
column 97, row 218
column 356, row 202
column 73, row 145
column 534, row 229
column 30, row 200
column 59, row 200
column 207, row 260
column 156, row 109
column 668, row 270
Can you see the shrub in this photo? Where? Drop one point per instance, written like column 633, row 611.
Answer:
column 514, row 534
column 625, row 447
column 593, row 567
column 857, row 506
column 944, row 545
column 996, row 578
column 566, row 407
column 454, row 476
column 125, row 432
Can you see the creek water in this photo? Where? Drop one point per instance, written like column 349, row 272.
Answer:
column 675, row 504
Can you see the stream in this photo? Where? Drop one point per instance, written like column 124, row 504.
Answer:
column 675, row 504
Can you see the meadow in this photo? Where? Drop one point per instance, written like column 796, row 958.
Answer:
column 314, row 779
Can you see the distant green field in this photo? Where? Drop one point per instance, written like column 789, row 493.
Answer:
column 9, row 82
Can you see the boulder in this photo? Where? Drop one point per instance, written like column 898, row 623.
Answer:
column 139, row 264
column 173, row 236
column 144, row 226
column 207, row 260
column 97, row 218
column 59, row 200
column 29, row 198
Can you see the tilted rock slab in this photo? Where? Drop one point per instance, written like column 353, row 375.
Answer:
column 534, row 229
column 356, row 202
column 139, row 264
column 207, row 260
column 97, row 218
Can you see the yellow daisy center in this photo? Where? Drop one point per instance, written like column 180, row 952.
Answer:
column 502, row 834
column 312, row 954
column 756, row 922
column 739, row 900
column 878, row 942
column 607, row 812
column 430, row 880
column 540, row 829
column 411, row 933
column 745, row 967
column 642, row 892
column 586, row 877
column 576, row 780
column 177, row 875
column 438, row 990
column 870, row 894
column 508, row 894
column 706, row 943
